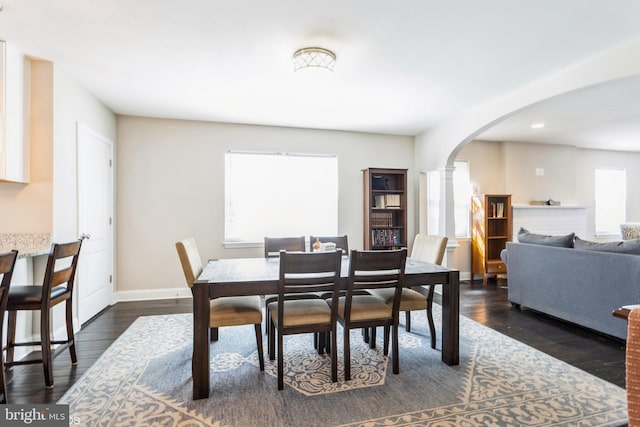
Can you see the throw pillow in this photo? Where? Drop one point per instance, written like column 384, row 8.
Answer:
column 524, row 236
column 624, row 247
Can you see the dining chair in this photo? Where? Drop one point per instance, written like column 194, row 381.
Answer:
column 304, row 273
column 426, row 248
column 342, row 242
column 7, row 263
column 273, row 245
column 272, row 248
column 57, row 287
column 223, row 311
column 370, row 270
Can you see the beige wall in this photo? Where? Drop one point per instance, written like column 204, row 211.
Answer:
column 171, row 185
column 510, row 167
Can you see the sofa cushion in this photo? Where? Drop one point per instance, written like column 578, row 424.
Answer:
column 624, row 246
column 565, row 241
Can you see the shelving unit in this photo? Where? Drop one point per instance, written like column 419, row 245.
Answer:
column 491, row 230
column 385, row 208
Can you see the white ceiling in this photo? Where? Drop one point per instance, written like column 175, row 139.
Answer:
column 402, row 66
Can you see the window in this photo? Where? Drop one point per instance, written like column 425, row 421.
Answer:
column 280, row 194
column 611, row 202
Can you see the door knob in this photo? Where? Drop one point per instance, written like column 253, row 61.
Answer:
column 85, row 236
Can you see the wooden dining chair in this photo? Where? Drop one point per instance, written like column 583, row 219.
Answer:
column 303, row 274
column 342, row 242
column 273, row 245
column 7, row 263
column 372, row 270
column 272, row 248
column 224, row 311
column 426, row 248
column 57, row 287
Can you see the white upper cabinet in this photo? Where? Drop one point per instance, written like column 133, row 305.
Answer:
column 14, row 114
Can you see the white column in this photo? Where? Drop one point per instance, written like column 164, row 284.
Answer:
column 447, row 225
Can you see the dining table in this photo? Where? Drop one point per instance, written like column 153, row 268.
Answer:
column 259, row 276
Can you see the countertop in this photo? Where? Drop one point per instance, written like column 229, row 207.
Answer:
column 27, row 244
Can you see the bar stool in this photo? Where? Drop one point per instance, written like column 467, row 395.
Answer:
column 7, row 262
column 57, row 287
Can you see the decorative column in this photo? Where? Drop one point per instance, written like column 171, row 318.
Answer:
column 447, row 226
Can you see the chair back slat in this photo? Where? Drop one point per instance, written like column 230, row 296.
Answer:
column 273, row 245
column 61, row 276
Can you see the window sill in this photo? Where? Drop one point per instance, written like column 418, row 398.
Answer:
column 242, row 245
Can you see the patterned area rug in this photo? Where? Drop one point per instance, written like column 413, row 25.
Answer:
column 144, row 379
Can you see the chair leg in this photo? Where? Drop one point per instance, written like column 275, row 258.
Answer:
column 11, row 335
column 321, row 341
column 347, row 355
column 432, row 328
column 45, row 343
column 385, row 349
column 365, row 334
column 280, row 360
column 213, row 334
column 394, row 351
column 407, row 321
column 271, row 341
column 3, row 384
column 70, row 334
column 258, row 328
column 329, row 342
column 333, row 339
column 372, row 341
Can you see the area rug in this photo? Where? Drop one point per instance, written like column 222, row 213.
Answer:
column 144, row 379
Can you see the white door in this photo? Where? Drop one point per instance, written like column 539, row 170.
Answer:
column 95, row 210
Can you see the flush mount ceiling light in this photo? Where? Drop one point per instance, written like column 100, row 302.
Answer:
column 537, row 125
column 313, row 58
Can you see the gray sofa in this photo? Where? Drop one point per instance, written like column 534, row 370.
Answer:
column 579, row 286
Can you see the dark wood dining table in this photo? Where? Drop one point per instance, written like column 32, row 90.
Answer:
column 259, row 276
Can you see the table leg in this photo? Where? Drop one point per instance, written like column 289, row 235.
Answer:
column 200, row 357
column 451, row 320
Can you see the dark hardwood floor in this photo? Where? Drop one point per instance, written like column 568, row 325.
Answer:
column 599, row 355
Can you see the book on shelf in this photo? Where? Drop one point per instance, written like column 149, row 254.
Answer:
column 381, row 219
column 497, row 210
column 386, row 237
column 386, row 201
column 392, row 200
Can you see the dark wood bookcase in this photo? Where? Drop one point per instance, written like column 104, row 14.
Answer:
column 385, row 208
column 490, row 232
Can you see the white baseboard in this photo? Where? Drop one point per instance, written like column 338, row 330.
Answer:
column 465, row 275
column 152, row 294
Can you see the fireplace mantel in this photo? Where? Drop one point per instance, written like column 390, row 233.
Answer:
column 551, row 220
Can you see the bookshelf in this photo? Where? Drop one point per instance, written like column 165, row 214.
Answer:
column 385, row 208
column 491, row 229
